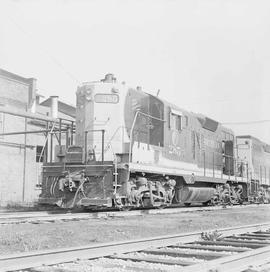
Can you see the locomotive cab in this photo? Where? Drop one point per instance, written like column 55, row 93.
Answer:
column 98, row 118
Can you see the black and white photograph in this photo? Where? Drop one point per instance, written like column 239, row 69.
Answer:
column 135, row 135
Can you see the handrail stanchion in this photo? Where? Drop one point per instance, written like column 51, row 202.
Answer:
column 46, row 144
column 132, row 128
column 71, row 136
column 213, row 164
column 102, row 144
column 60, row 134
column 85, row 146
column 204, row 162
column 51, row 144
column 229, row 163
column 67, row 137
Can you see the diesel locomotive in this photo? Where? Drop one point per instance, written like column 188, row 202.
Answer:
column 133, row 149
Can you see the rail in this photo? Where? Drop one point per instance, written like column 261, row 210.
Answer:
column 39, row 217
column 154, row 245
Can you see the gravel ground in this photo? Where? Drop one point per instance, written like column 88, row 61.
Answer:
column 263, row 268
column 28, row 237
column 109, row 265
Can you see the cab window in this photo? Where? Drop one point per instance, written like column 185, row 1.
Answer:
column 176, row 122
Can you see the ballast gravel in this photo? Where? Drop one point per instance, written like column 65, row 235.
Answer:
column 30, row 237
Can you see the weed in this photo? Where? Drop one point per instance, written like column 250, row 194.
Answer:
column 211, row 236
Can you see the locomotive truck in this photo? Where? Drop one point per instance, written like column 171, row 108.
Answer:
column 133, row 149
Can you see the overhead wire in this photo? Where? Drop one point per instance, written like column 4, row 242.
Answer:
column 247, row 122
column 73, row 77
column 46, row 52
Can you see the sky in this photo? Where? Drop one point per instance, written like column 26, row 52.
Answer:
column 206, row 56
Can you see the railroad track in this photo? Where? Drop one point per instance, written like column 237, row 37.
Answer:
column 47, row 217
column 237, row 249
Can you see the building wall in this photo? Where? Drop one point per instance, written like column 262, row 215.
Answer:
column 18, row 179
column 17, row 152
column 13, row 93
column 18, row 166
column 16, row 91
column 20, row 171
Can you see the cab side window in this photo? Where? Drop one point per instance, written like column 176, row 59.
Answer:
column 176, row 122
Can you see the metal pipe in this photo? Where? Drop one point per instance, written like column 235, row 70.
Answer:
column 28, row 132
column 68, row 120
column 26, row 115
column 248, row 181
column 57, row 138
column 71, row 137
column 247, row 171
column 24, row 161
column 29, row 115
column 46, row 144
column 131, row 136
column 51, row 146
column 93, row 130
column 54, row 106
column 60, row 138
column 17, row 145
column 243, row 165
column 85, row 147
column 60, row 134
column 67, row 138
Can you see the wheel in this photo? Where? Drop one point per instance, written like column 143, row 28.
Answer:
column 162, row 206
column 187, row 204
column 206, row 203
column 125, row 208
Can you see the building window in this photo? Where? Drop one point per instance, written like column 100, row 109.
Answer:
column 39, row 155
column 175, row 122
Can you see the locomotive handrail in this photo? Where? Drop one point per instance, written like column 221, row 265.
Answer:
column 109, row 142
column 46, row 140
column 212, row 165
column 85, row 143
column 132, row 128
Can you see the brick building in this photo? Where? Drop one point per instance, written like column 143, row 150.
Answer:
column 21, row 155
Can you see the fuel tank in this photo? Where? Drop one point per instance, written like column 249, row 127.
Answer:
column 194, row 194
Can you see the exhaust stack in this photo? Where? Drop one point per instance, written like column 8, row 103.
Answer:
column 54, row 106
